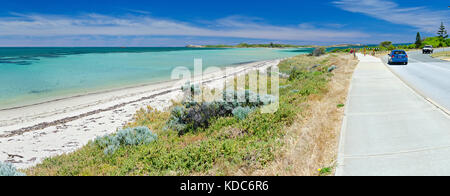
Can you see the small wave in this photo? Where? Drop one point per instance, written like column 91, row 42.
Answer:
column 39, row 91
column 15, row 62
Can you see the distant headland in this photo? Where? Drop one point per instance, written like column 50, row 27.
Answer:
column 270, row 45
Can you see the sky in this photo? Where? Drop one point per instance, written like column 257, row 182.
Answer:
column 199, row 22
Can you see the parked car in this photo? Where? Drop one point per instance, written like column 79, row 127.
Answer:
column 428, row 49
column 398, row 56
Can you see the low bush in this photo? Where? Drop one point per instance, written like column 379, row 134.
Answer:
column 126, row 137
column 295, row 73
column 319, row 51
column 241, row 113
column 194, row 115
column 7, row 169
column 149, row 117
column 191, row 89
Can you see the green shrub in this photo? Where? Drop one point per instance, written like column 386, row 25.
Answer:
column 194, row 115
column 436, row 42
column 126, row 137
column 241, row 113
column 7, row 169
column 319, row 51
column 386, row 44
column 295, row 73
column 412, row 46
column 191, row 89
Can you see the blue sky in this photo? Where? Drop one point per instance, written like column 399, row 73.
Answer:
column 178, row 23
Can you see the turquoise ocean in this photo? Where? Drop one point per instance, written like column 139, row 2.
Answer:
column 30, row 75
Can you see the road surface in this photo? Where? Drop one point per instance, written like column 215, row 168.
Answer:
column 430, row 76
column 389, row 129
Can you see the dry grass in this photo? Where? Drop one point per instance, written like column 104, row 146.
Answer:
column 385, row 53
column 155, row 120
column 381, row 54
column 312, row 140
column 442, row 55
column 297, row 140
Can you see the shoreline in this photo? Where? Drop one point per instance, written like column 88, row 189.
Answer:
column 28, row 134
column 101, row 91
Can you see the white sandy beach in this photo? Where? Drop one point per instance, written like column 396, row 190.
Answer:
column 32, row 133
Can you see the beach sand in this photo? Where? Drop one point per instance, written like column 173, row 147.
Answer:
column 32, row 133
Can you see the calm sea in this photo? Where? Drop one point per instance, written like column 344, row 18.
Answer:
column 32, row 74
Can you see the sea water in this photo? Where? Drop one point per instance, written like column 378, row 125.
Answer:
column 28, row 75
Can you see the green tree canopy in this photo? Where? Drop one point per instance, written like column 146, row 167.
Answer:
column 386, row 44
column 418, row 40
column 442, row 33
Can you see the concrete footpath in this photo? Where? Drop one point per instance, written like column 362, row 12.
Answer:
column 389, row 129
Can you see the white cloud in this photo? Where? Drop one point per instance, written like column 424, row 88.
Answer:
column 306, row 25
column 37, row 25
column 421, row 18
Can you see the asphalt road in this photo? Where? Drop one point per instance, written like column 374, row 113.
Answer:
column 389, row 129
column 430, row 76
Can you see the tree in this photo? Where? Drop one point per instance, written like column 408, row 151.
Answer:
column 418, row 40
column 391, row 47
column 243, row 45
column 442, row 33
column 386, row 44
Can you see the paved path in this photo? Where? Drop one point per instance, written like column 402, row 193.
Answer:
column 388, row 129
column 430, row 76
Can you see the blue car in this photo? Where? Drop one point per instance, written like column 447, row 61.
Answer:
column 398, row 56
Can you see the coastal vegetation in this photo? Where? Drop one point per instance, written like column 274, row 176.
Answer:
column 126, row 137
column 193, row 115
column 418, row 42
column 436, row 42
column 319, row 51
column 7, row 169
column 270, row 45
column 223, row 138
column 441, row 40
column 445, row 55
column 246, row 45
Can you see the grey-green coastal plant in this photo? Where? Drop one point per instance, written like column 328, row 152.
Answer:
column 126, row 137
column 7, row 169
column 241, row 113
column 193, row 115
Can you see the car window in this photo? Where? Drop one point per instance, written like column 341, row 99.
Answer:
column 399, row 52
